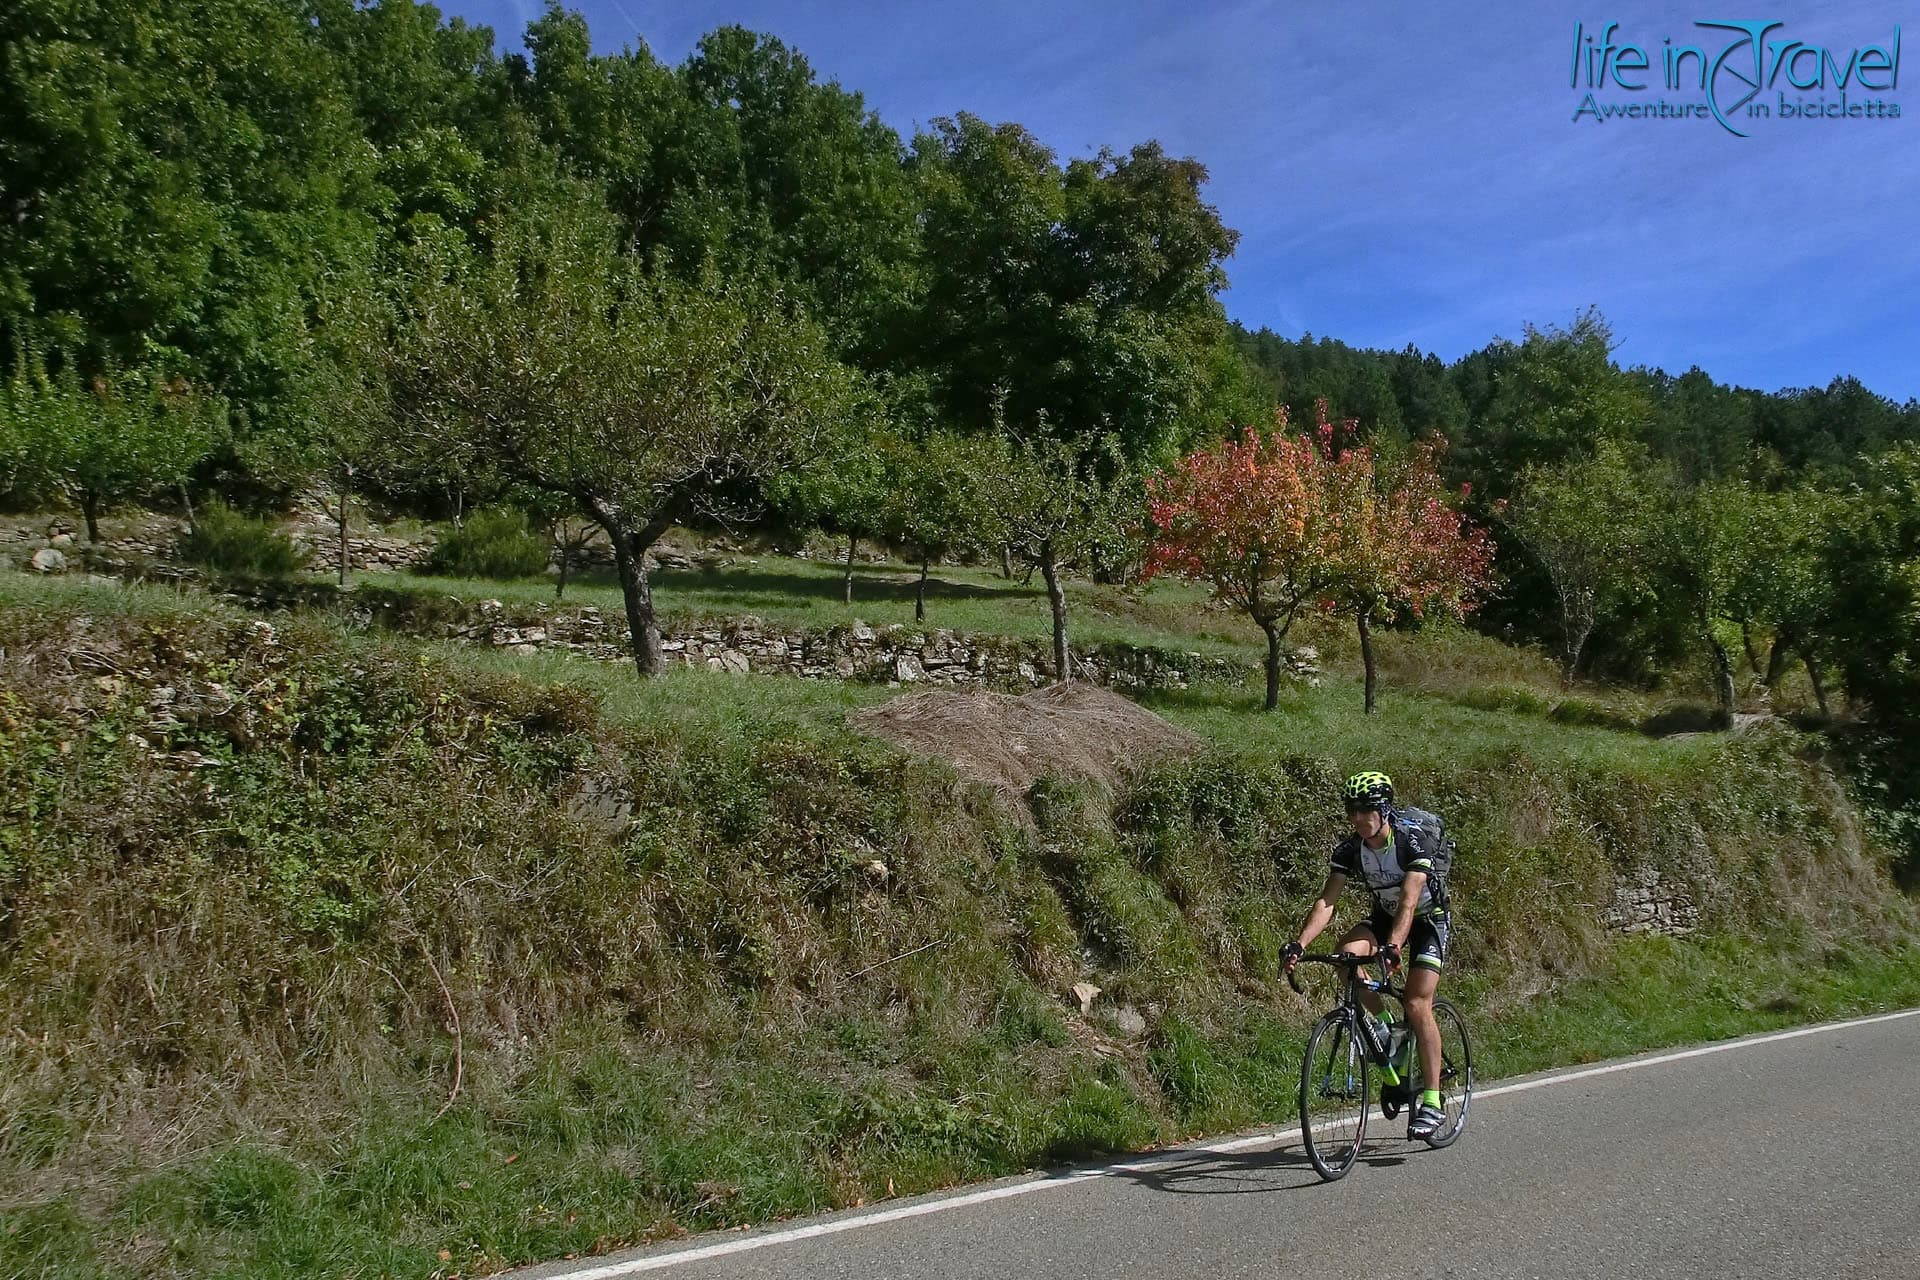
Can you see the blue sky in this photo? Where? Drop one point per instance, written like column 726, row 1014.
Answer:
column 1411, row 173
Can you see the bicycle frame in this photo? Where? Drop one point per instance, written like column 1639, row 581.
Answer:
column 1350, row 1003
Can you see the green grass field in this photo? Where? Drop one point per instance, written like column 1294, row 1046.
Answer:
column 808, row 593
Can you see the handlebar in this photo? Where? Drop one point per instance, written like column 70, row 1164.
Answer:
column 1339, row 960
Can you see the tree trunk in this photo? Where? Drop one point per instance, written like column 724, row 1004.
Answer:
column 1576, row 624
column 1819, row 685
column 1777, row 657
column 853, row 541
column 1746, row 639
column 1006, row 562
column 566, row 558
column 186, row 501
column 1722, row 679
column 1057, row 597
column 1365, row 618
column 90, row 508
column 343, row 535
column 1275, row 633
column 631, row 557
column 920, row 592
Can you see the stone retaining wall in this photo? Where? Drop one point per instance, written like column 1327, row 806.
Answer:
column 1645, row 902
column 890, row 654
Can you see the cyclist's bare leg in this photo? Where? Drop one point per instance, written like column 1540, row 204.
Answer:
column 1359, row 941
column 1421, row 984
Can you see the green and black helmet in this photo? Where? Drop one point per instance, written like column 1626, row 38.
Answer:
column 1369, row 790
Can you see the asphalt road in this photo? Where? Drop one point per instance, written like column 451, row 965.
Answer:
column 1775, row 1157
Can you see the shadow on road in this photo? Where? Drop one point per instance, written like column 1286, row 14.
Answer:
column 1250, row 1173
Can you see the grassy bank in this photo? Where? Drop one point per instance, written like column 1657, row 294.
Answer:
column 322, row 955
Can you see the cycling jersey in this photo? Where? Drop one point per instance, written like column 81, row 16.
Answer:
column 1412, row 845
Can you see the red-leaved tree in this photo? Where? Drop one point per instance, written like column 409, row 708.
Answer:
column 1279, row 522
column 1260, row 519
column 1400, row 545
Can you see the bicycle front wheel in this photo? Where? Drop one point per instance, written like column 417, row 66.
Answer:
column 1456, row 1073
column 1333, row 1096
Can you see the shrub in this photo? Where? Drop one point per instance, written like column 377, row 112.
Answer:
column 228, row 542
column 491, row 544
column 1579, row 711
column 1502, row 697
column 1685, row 717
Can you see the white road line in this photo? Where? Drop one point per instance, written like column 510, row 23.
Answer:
column 742, row 1244
column 1567, row 1077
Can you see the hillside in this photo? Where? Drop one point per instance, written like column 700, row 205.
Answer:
column 331, row 952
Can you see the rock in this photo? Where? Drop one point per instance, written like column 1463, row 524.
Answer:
column 1129, row 1022
column 862, row 632
column 602, row 804
column 907, row 668
column 47, row 560
column 734, row 661
column 60, row 540
column 1085, row 992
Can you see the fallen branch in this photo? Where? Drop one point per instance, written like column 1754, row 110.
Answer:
column 459, row 1057
column 937, row 942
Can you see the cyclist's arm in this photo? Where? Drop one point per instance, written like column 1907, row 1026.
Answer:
column 1410, row 890
column 1320, row 914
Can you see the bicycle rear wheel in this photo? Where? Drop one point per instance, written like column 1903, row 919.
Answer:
column 1333, row 1096
column 1456, row 1073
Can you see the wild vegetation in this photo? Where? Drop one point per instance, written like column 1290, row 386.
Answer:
column 326, row 952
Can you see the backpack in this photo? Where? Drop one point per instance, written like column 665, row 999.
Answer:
column 1427, row 838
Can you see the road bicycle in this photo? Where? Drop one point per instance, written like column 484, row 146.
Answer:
column 1344, row 1051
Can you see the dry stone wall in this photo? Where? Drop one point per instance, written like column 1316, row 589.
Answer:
column 888, row 654
column 1644, row 901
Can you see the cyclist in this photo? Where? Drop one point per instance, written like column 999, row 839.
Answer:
column 1402, row 857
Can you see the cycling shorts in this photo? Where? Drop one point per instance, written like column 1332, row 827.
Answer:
column 1426, row 941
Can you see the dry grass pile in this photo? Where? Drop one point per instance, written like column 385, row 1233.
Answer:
column 1009, row 742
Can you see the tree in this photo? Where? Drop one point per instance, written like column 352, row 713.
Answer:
column 1551, row 397
column 933, row 501
column 119, row 435
column 1356, row 384
column 1257, row 518
column 1039, row 496
column 1703, row 428
column 1082, row 297
column 845, row 492
column 1398, row 544
column 740, row 160
column 1873, row 561
column 177, row 175
column 1709, row 534
column 643, row 399
column 1584, row 522
column 1783, row 585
